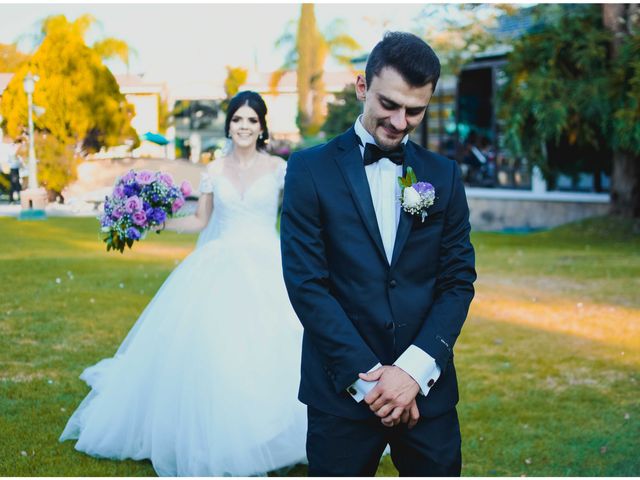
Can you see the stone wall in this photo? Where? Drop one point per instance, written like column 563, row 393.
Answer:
column 492, row 209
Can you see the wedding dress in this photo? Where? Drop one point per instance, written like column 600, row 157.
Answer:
column 205, row 383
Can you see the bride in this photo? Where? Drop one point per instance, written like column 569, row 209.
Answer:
column 205, row 383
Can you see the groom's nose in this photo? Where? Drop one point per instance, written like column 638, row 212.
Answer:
column 399, row 119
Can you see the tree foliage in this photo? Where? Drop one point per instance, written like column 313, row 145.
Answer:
column 556, row 102
column 236, row 77
column 11, row 58
column 83, row 105
column 457, row 32
column 571, row 101
column 57, row 163
column 342, row 112
column 308, row 51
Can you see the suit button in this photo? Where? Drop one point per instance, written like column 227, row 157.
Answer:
column 393, row 284
column 352, row 391
column 389, row 326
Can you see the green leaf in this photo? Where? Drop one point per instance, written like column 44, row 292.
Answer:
column 412, row 176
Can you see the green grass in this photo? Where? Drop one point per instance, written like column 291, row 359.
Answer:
column 548, row 361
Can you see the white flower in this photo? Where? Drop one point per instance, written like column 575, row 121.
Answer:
column 411, row 198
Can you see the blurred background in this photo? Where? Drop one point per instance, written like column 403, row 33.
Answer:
column 537, row 103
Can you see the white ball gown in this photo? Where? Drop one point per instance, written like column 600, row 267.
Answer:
column 205, row 383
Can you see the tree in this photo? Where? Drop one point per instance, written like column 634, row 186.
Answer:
column 236, row 77
column 555, row 102
column 623, row 22
column 83, row 105
column 342, row 111
column 457, row 32
column 572, row 98
column 308, row 52
column 11, row 58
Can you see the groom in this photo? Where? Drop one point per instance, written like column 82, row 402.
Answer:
column 382, row 294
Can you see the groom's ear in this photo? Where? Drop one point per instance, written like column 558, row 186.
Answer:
column 361, row 88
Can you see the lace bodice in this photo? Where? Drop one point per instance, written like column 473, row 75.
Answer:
column 243, row 214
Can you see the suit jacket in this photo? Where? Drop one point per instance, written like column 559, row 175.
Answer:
column 357, row 309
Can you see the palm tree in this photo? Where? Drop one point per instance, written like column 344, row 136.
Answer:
column 307, row 53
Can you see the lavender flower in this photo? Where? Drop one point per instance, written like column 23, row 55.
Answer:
column 133, row 204
column 159, row 215
column 130, row 176
column 423, row 188
column 133, row 233
column 166, row 179
column 131, row 189
column 139, row 218
column 145, row 177
column 185, row 188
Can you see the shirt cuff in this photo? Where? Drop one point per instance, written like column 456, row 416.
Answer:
column 421, row 366
column 359, row 389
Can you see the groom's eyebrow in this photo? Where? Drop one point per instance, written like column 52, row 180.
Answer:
column 391, row 105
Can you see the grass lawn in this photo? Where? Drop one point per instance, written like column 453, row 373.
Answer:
column 548, row 361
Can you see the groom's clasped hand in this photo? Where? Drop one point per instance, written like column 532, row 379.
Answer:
column 393, row 399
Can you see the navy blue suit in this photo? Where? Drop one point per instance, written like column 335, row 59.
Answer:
column 356, row 309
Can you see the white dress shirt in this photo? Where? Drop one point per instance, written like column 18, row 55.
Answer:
column 385, row 194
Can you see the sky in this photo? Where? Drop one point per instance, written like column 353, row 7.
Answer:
column 187, row 45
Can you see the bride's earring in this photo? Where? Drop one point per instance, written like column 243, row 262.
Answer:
column 261, row 136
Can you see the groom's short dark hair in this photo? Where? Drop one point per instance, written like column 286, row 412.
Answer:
column 409, row 55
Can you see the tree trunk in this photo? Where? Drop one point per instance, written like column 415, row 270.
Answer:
column 625, row 179
column 625, row 185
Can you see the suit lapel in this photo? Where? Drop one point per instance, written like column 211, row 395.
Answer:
column 406, row 219
column 349, row 160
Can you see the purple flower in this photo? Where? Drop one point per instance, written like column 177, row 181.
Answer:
column 133, row 204
column 185, row 188
column 144, row 177
column 117, row 213
column 131, row 190
column 423, row 188
column 166, row 179
column 133, row 233
column 177, row 205
column 130, row 176
column 159, row 215
column 139, row 218
column 106, row 222
column 118, row 192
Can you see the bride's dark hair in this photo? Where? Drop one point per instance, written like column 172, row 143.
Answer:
column 254, row 101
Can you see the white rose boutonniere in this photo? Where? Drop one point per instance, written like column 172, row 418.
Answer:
column 416, row 197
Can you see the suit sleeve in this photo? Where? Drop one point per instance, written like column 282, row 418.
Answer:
column 306, row 275
column 454, row 283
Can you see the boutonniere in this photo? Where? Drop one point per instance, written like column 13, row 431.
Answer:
column 415, row 196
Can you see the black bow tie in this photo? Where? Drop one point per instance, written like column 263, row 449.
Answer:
column 373, row 153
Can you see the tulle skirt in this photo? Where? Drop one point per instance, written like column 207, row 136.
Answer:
column 205, row 383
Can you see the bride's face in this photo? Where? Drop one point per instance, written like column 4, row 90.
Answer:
column 244, row 127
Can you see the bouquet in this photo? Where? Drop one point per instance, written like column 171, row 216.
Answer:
column 140, row 201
